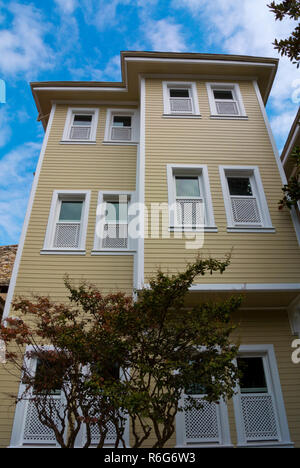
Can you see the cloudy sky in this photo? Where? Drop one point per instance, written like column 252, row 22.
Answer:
column 82, row 40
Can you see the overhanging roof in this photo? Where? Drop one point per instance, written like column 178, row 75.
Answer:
column 134, row 64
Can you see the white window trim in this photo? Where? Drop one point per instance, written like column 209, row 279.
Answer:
column 191, row 170
column 191, row 85
column 98, row 249
column 134, row 114
column 234, row 87
column 223, row 427
column 253, row 172
column 58, row 195
column 267, row 352
column 21, row 407
column 70, row 115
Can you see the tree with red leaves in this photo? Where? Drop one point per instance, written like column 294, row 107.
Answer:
column 114, row 358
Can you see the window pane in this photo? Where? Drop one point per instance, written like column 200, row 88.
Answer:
column 70, row 211
column 253, row 379
column 179, row 93
column 187, row 187
column 48, row 377
column 116, row 212
column 223, row 94
column 239, row 186
column 120, row 121
column 82, row 120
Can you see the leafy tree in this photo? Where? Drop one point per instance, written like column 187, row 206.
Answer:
column 292, row 189
column 162, row 347
column 290, row 46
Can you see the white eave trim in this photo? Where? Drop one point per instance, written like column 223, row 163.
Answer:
column 243, row 287
column 205, row 61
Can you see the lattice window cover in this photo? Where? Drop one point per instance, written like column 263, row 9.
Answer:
column 181, row 105
column 190, row 212
column 121, row 133
column 245, row 210
column 67, row 235
column 80, row 133
column 34, row 430
column 202, row 425
column 227, row 108
column 115, row 236
column 259, row 417
column 110, row 436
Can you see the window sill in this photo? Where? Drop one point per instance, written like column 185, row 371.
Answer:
column 77, row 142
column 120, row 143
column 181, row 116
column 62, row 252
column 113, row 252
column 251, row 229
column 229, row 117
column 190, row 229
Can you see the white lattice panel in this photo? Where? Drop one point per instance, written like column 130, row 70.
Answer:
column 34, row 430
column 80, row 133
column 190, row 212
column 67, row 235
column 115, row 236
column 229, row 108
column 259, row 417
column 181, row 105
column 245, row 210
column 121, row 133
column 110, row 436
column 202, row 425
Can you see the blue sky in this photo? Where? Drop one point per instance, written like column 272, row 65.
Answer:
column 82, row 40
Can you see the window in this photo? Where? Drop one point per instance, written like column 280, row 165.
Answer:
column 112, row 221
column 225, row 100
column 253, row 378
column 121, row 126
column 258, row 405
column 67, row 222
column 180, row 98
column 81, row 125
column 245, row 202
column 190, row 204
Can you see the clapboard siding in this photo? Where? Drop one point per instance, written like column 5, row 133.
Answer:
column 256, row 257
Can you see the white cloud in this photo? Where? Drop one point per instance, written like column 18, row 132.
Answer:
column 101, row 13
column 67, row 6
column 22, row 46
column 281, row 123
column 16, row 176
column 110, row 72
column 165, row 35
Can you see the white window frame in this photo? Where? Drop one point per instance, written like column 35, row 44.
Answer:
column 224, row 439
column 110, row 114
column 100, row 222
column 237, row 98
column 17, row 437
column 191, row 86
column 266, row 351
column 57, row 197
column 258, row 192
column 72, row 111
column 194, row 170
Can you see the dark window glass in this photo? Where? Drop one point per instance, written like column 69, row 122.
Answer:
column 70, row 211
column 82, row 120
column 178, row 93
column 223, row 94
column 239, row 186
column 253, row 378
column 47, row 379
column 120, row 121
